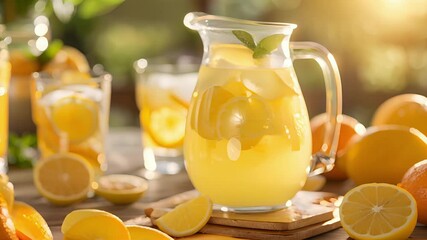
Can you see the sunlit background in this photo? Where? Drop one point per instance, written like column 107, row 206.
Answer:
column 380, row 46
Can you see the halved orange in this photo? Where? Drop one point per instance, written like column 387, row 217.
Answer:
column 63, row 178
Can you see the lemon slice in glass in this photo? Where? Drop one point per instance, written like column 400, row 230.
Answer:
column 121, row 188
column 76, row 116
column 167, row 126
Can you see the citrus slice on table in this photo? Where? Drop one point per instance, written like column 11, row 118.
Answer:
column 121, row 188
column 187, row 218
column 141, row 232
column 167, row 126
column 378, row 211
column 28, row 222
column 76, row 116
column 63, row 178
column 89, row 224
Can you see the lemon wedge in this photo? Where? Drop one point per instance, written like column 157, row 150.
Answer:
column 196, row 213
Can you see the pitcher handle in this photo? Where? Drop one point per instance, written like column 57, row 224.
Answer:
column 323, row 161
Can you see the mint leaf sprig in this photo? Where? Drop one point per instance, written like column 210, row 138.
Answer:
column 266, row 46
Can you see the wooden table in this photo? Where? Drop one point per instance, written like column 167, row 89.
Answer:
column 126, row 157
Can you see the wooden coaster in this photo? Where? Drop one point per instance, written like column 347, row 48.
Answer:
column 307, row 208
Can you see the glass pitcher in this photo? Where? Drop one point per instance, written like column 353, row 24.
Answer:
column 248, row 140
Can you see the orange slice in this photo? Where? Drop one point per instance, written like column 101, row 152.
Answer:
column 121, row 188
column 140, row 232
column 30, row 223
column 75, row 116
column 196, row 213
column 378, row 211
column 167, row 126
column 63, row 178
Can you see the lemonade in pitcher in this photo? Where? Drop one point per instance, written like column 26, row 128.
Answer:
column 247, row 142
column 247, row 123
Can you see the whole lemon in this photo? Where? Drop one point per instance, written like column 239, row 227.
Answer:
column 384, row 154
column 405, row 109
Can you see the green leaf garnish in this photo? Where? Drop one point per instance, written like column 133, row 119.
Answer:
column 92, row 8
column 246, row 38
column 264, row 47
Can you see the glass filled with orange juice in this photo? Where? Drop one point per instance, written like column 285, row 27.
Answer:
column 163, row 93
column 248, row 140
column 4, row 103
column 71, row 113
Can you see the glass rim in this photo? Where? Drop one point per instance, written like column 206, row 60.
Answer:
column 142, row 65
column 48, row 76
column 201, row 20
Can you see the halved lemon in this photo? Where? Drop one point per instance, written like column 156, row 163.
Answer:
column 167, row 126
column 378, row 211
column 141, row 232
column 94, row 224
column 63, row 178
column 75, row 116
column 121, row 188
column 187, row 218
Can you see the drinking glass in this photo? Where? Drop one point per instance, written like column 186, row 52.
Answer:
column 4, row 102
column 71, row 112
column 163, row 93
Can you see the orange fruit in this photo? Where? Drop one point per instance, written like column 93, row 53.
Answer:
column 405, row 109
column 63, row 178
column 384, row 154
column 415, row 181
column 22, row 63
column 350, row 127
column 68, row 58
column 378, row 211
column 30, row 223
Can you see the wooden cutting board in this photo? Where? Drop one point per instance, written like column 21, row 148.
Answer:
column 311, row 214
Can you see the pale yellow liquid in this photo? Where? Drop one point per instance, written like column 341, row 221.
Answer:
column 162, row 119
column 4, row 106
column 51, row 140
column 248, row 141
